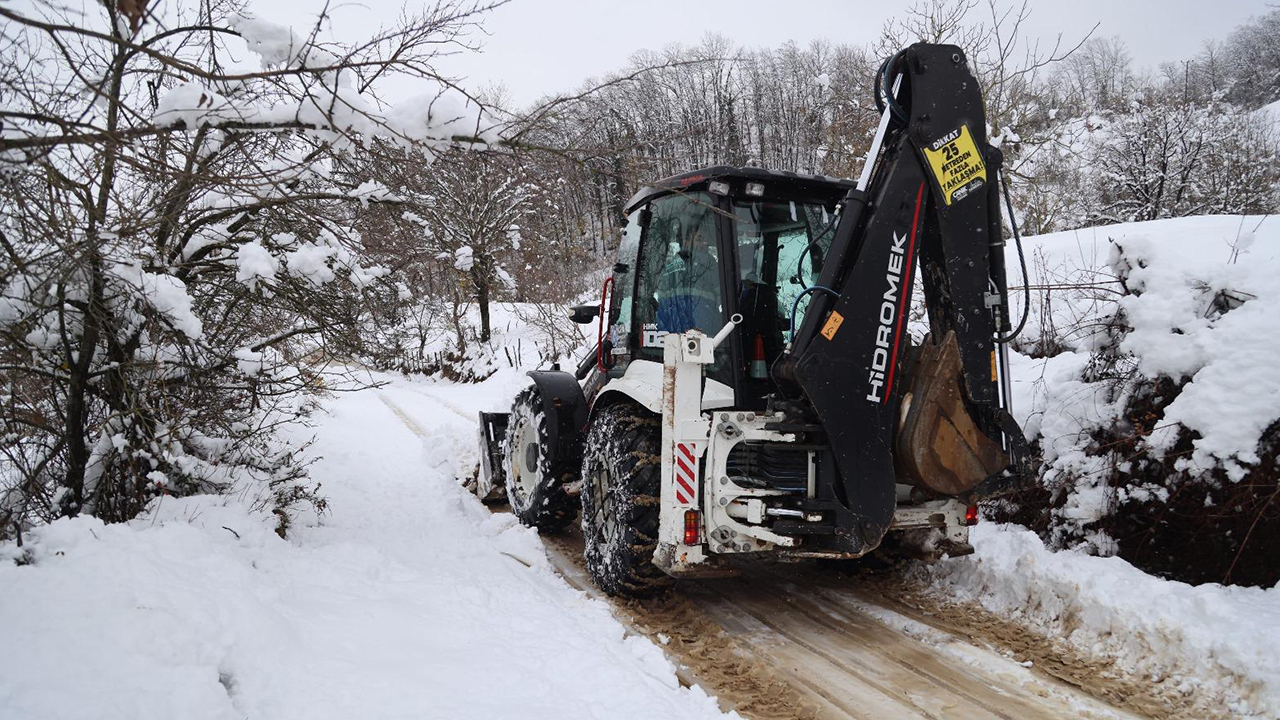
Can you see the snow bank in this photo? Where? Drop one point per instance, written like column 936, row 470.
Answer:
column 1205, row 305
column 1208, row 638
column 1197, row 299
column 410, row 599
column 1271, row 111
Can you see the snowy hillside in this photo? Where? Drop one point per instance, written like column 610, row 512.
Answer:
column 1152, row 368
column 1199, row 299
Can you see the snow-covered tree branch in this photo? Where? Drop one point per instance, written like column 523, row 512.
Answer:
column 178, row 222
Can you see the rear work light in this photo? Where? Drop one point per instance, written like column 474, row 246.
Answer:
column 692, row 526
column 971, row 515
column 755, row 189
column 718, row 187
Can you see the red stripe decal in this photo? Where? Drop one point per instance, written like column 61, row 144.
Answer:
column 685, row 484
column 684, row 468
column 906, row 292
column 687, row 453
column 682, row 499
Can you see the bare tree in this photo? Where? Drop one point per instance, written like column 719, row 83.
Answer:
column 180, row 258
column 1167, row 157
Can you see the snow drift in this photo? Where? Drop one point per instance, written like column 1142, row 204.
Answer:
column 1215, row 641
column 1151, row 384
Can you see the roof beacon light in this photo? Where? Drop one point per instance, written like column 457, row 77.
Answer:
column 755, row 189
column 718, row 187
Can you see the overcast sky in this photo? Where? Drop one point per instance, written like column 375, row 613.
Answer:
column 538, row 47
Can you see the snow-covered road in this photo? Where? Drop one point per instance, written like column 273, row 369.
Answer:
column 820, row 655
column 410, row 600
column 810, row 641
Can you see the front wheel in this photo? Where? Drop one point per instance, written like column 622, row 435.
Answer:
column 536, row 484
column 621, row 486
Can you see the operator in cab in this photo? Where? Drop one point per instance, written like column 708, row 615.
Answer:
column 688, row 291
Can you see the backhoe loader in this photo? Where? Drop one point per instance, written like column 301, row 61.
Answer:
column 754, row 391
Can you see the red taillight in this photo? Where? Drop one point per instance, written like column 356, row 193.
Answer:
column 971, row 515
column 692, row 524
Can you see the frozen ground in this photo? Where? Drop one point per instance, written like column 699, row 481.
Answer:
column 409, row 600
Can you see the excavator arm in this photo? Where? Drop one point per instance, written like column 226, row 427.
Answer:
column 927, row 207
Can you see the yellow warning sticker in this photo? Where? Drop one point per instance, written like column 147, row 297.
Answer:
column 832, row 325
column 956, row 164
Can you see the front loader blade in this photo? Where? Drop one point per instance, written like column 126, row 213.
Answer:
column 939, row 446
column 491, row 481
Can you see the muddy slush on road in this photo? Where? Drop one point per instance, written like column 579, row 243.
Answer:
column 805, row 640
column 801, row 640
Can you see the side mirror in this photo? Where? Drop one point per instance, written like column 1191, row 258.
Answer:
column 584, row 314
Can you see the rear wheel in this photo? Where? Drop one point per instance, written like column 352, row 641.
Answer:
column 536, row 485
column 621, row 485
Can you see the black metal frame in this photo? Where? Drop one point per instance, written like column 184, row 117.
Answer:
column 493, row 429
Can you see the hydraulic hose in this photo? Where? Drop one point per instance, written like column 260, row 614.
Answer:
column 796, row 305
column 1022, row 262
column 808, row 249
column 884, row 88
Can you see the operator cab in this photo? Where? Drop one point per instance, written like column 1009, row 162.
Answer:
column 705, row 245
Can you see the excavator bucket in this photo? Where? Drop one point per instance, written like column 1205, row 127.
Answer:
column 939, row 446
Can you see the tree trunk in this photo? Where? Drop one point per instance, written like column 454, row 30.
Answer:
column 482, row 299
column 80, row 365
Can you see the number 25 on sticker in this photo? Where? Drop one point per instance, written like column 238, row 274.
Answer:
column 956, row 164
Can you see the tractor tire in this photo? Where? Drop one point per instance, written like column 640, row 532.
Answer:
column 536, row 486
column 621, row 485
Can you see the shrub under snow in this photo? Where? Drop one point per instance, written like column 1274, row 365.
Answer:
column 1151, row 386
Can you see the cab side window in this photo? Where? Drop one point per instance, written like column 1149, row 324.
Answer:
column 624, row 285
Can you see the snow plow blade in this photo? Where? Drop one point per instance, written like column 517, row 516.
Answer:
column 492, row 479
column 940, row 447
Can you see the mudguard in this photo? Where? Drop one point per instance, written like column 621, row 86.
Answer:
column 565, row 408
column 642, row 383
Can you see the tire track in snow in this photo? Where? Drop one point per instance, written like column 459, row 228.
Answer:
column 703, row 654
column 409, row 422
column 773, row 645
column 470, row 417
